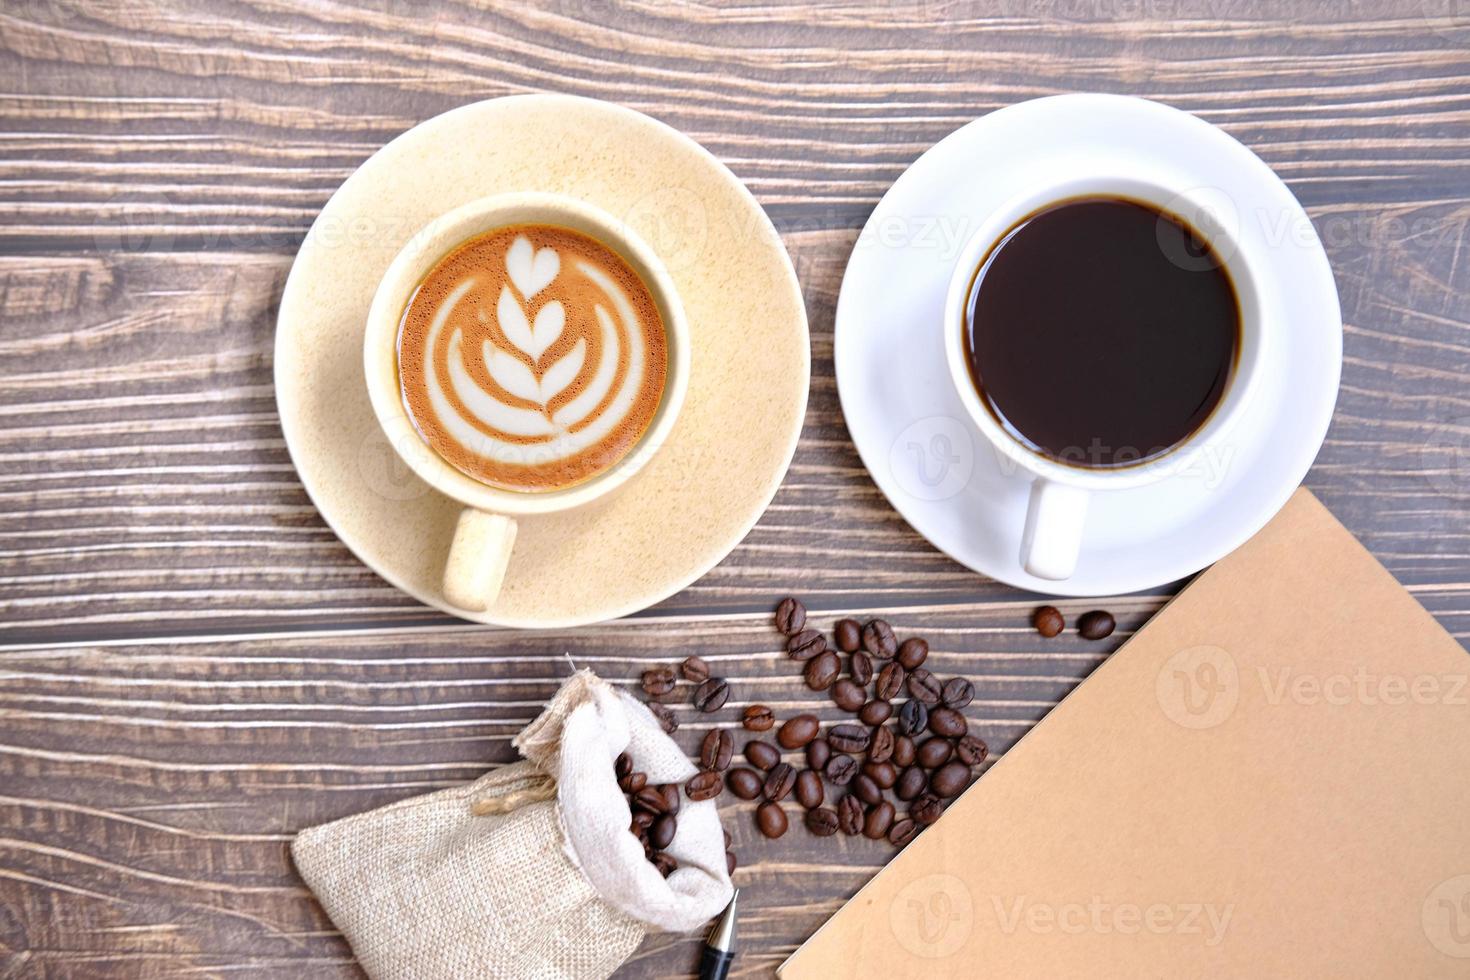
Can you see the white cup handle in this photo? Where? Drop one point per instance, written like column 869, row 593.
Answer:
column 478, row 558
column 1052, row 539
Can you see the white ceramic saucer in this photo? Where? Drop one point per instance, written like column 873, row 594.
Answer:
column 909, row 425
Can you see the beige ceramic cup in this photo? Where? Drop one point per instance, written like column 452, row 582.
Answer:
column 480, row 556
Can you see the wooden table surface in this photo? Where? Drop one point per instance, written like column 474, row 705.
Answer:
column 192, row 667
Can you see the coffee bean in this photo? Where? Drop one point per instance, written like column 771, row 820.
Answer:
column 934, row 752
column 875, row 712
column 730, row 862
column 780, row 780
column 949, row 780
column 880, row 748
column 716, row 749
column 622, row 765
column 860, row 668
column 758, row 718
column 790, row 616
column 902, row 832
column 848, row 738
column 744, row 783
column 885, row 774
column 658, row 681
column 848, row 634
column 805, row 645
column 865, row 789
column 822, row 822
column 878, row 820
column 633, row 782
column 661, row 834
column 890, row 681
column 848, row 695
column 947, row 723
column 822, row 670
column 924, row 686
column 971, row 750
column 703, row 785
column 712, row 694
column 665, row 863
column 694, row 669
column 840, row 769
column 1095, row 625
column 798, row 731
column 664, row 716
column 913, row 717
column 878, row 639
column 651, row 798
column 762, row 755
column 911, row 782
column 809, row 791
column 912, row 652
column 728, row 839
column 904, row 751
column 1048, row 621
column 770, row 819
column 642, row 820
column 671, row 797
column 850, row 815
column 817, row 753
column 957, row 693
column 926, row 809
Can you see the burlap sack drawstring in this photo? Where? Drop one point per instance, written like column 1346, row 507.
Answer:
column 489, row 805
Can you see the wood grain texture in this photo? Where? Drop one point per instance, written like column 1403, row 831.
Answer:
column 192, row 667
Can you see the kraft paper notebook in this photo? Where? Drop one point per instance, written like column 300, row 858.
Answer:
column 1272, row 779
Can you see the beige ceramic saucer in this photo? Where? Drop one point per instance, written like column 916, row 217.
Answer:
column 747, row 390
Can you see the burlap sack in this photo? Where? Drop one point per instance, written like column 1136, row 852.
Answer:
column 530, row 871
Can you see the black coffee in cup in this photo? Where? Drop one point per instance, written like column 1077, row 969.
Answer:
column 1102, row 331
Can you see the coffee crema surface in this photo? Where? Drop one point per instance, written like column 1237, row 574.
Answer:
column 532, row 357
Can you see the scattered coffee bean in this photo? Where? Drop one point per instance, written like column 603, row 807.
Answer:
column 840, row 769
column 885, row 774
column 865, row 789
column 744, row 783
column 890, row 681
column 924, row 686
column 822, row 822
column 716, row 749
column 880, row 748
column 758, row 718
column 790, row 616
column 711, row 695
column 797, row 732
column 971, row 750
column 664, row 716
column 666, row 863
column 878, row 820
column 762, row 755
column 848, row 738
column 780, row 780
column 913, row 717
column 651, row 798
column 658, row 681
column 875, row 712
column 934, row 752
column 957, row 693
column 822, row 670
column 848, row 634
column 904, row 751
column 703, row 785
column 1048, row 621
column 878, row 639
column 848, row 695
column 912, row 652
column 817, row 753
column 661, row 834
column 1095, row 625
column 671, row 797
column 860, row 668
column 633, row 782
column 770, row 819
column 809, row 791
column 805, row 645
column 850, row 815
column 926, row 809
column 622, row 765
column 730, row 862
column 947, row 723
column 949, row 780
column 902, row 832
column 695, row 670
column 911, row 782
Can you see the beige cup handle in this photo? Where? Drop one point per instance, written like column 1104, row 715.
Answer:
column 478, row 559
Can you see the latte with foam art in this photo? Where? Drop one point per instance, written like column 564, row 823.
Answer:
column 532, row 358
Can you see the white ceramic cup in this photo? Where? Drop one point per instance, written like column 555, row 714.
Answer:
column 479, row 556
column 1056, row 513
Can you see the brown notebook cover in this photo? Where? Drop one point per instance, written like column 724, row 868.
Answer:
column 1271, row 779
